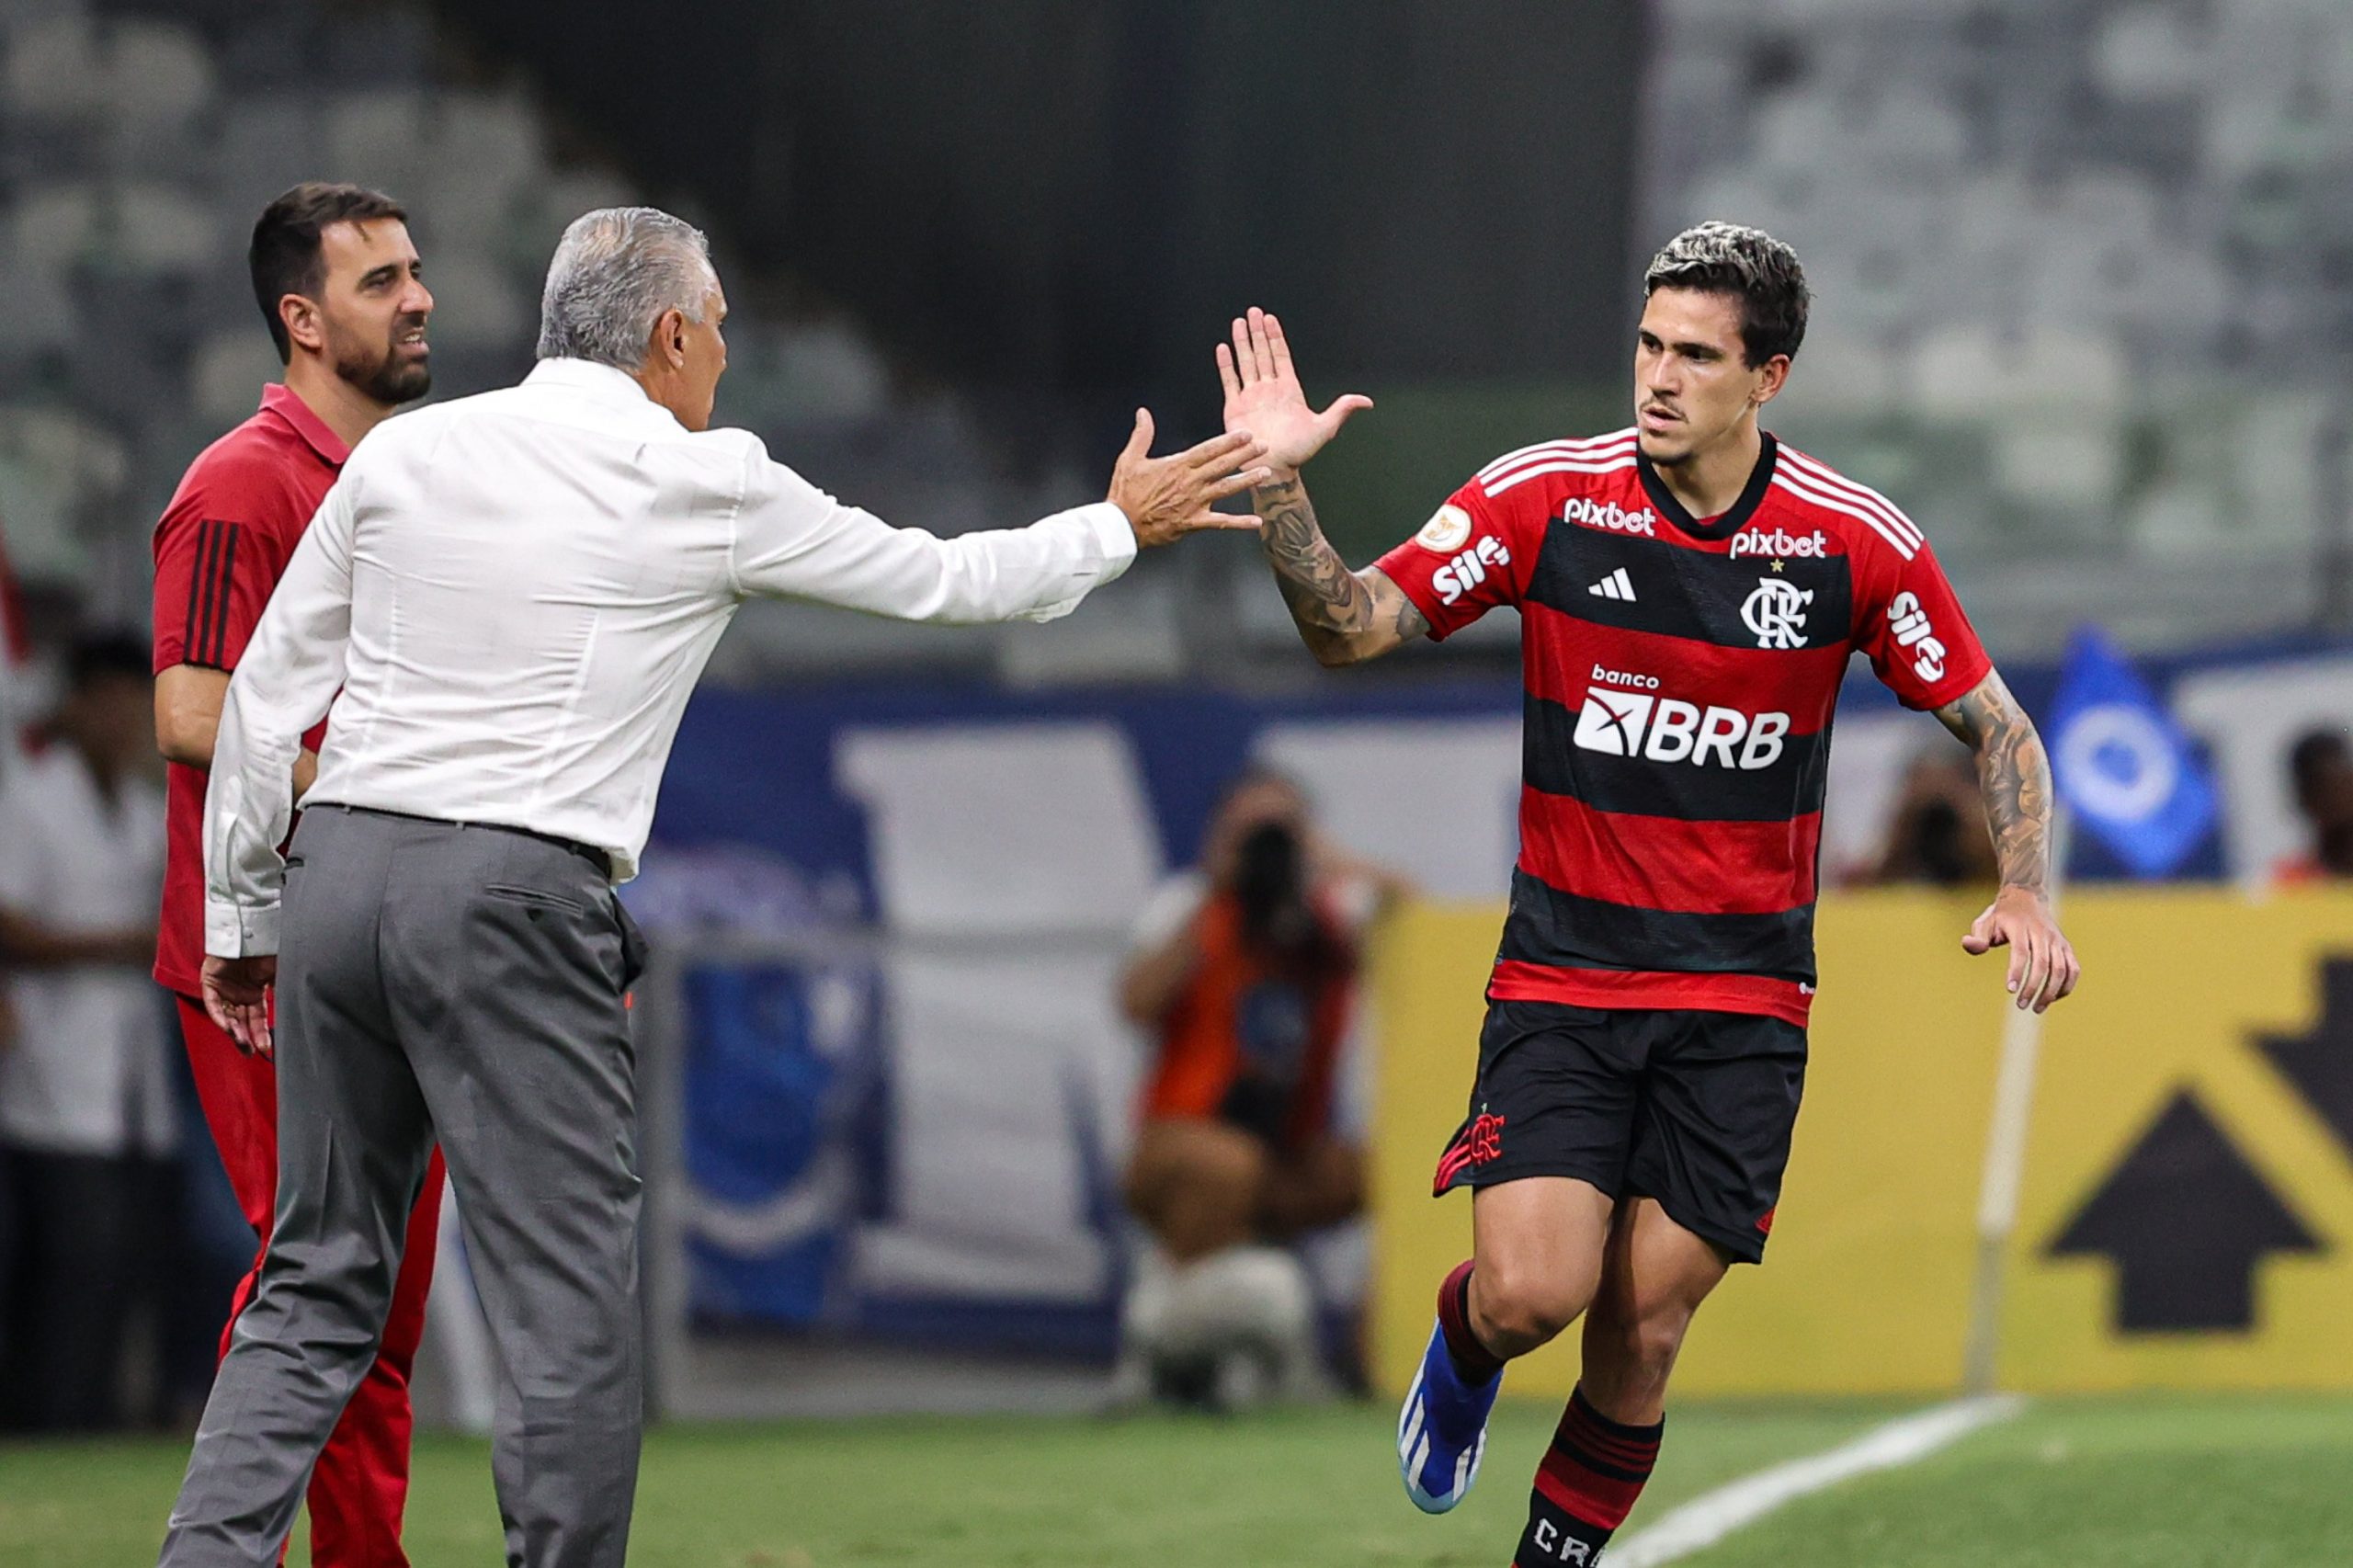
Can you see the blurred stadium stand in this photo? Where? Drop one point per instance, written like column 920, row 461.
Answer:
column 2086, row 297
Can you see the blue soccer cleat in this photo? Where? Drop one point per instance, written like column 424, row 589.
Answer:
column 1442, row 1430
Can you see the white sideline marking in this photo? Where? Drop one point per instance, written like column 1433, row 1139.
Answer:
column 1707, row 1518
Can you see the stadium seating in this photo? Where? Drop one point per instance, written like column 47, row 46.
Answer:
column 136, row 144
column 2092, row 251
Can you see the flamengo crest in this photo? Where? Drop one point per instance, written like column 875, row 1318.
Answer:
column 1776, row 612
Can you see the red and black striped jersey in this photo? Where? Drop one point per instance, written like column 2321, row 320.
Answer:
column 1681, row 676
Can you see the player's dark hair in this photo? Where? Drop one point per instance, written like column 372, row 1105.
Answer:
column 1752, row 266
column 285, row 258
column 101, row 656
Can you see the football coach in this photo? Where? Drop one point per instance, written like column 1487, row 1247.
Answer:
column 507, row 599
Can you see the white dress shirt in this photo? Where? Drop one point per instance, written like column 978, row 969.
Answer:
column 90, row 1071
column 514, row 594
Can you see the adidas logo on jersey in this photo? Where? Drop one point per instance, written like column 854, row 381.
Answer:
column 1594, row 514
column 1616, row 585
column 1468, row 570
column 1780, row 542
column 1668, row 729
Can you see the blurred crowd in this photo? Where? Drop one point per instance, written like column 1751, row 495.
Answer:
column 120, row 1243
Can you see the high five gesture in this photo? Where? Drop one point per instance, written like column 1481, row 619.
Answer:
column 1344, row 616
column 1263, row 395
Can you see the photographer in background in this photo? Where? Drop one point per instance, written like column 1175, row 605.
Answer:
column 1243, row 976
column 1937, row 837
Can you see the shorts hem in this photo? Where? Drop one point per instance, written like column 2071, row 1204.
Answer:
column 1497, row 1174
column 1740, row 1248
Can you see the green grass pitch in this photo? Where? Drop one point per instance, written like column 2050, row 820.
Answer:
column 2138, row 1482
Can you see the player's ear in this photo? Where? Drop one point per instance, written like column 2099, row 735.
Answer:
column 1775, row 375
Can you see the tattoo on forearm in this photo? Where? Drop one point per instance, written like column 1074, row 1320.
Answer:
column 1333, row 606
column 1324, row 596
column 2015, row 776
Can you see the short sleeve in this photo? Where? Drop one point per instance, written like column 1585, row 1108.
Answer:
column 214, row 577
column 1909, row 623
column 1474, row 554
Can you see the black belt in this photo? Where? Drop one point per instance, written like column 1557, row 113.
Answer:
column 588, row 852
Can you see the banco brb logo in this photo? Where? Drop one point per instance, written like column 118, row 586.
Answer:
column 1668, row 729
column 1776, row 612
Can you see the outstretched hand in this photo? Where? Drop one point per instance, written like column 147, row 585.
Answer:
column 2043, row 967
column 237, row 997
column 1263, row 395
column 1167, row 498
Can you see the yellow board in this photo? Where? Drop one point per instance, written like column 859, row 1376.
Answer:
column 1866, row 1287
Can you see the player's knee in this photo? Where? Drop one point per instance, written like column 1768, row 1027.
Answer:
column 1515, row 1309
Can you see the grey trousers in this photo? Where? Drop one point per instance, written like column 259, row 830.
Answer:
column 464, row 983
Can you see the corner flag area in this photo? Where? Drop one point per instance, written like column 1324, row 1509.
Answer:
column 2138, row 1481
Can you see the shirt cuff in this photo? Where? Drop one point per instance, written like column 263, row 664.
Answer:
column 1113, row 532
column 232, row 931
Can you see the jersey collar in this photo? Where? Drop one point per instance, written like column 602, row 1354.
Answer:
column 1751, row 497
column 279, row 399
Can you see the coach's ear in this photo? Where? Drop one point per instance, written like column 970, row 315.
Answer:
column 1771, row 377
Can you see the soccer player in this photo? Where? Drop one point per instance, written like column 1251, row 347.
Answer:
column 1689, row 590
column 340, row 284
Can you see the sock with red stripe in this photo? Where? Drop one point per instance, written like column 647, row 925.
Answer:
column 1586, row 1486
column 1474, row 1360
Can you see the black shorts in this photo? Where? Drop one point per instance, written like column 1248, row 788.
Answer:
column 1692, row 1109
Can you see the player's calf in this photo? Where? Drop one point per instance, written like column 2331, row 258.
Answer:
column 1587, row 1485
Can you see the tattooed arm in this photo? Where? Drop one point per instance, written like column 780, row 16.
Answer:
column 2015, row 778
column 1344, row 616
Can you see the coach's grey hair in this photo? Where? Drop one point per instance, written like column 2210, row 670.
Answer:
column 1751, row 265
column 615, row 271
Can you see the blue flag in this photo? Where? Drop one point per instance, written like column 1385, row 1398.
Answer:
column 2122, row 765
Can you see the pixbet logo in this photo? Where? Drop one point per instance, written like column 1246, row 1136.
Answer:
column 1801, row 547
column 1908, row 624
column 1668, row 729
column 1594, row 514
column 1468, row 570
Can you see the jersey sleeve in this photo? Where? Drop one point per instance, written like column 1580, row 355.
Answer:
column 1909, row 623
column 1474, row 554
column 213, row 575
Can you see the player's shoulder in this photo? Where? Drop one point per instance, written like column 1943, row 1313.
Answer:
column 1549, row 467
column 1824, row 498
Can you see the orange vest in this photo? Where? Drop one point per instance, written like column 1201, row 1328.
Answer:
column 1236, row 1010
